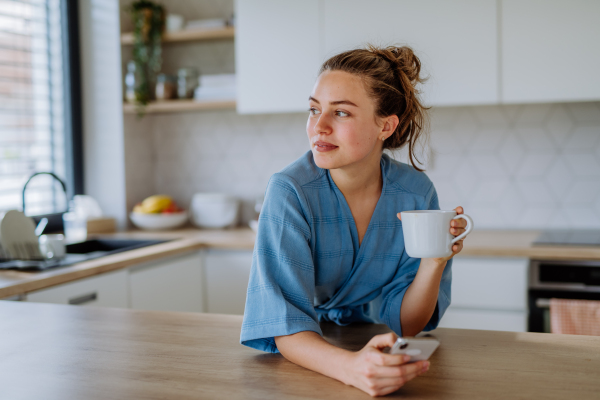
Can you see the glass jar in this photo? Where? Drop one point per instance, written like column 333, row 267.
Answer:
column 165, row 87
column 187, row 82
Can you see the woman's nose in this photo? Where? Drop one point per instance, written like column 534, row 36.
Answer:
column 322, row 126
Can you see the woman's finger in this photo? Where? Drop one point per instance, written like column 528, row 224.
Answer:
column 459, row 210
column 400, row 370
column 399, row 216
column 381, row 341
column 387, row 390
column 457, row 231
column 398, row 381
column 458, row 223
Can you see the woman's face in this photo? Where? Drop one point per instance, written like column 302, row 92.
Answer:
column 342, row 127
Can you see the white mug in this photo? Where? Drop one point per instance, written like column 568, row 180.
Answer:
column 427, row 232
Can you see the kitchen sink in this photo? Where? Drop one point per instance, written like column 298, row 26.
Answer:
column 82, row 251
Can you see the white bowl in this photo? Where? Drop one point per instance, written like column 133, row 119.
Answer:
column 214, row 210
column 158, row 222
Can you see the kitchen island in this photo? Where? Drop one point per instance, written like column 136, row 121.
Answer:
column 67, row 352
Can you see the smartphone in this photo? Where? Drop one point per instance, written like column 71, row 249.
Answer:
column 417, row 349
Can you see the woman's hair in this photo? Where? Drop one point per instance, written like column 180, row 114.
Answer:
column 390, row 75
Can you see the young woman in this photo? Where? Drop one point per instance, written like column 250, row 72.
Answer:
column 330, row 244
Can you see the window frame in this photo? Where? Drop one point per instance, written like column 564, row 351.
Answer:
column 73, row 116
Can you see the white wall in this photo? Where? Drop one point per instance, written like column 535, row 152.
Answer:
column 104, row 157
column 512, row 167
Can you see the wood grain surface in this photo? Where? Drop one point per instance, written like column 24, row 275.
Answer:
column 52, row 351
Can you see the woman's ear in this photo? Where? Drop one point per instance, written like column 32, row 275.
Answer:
column 389, row 126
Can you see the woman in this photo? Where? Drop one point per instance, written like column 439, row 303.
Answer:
column 330, row 244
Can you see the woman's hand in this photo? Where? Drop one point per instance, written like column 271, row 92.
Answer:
column 377, row 373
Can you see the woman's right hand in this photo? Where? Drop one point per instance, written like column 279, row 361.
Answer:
column 377, row 373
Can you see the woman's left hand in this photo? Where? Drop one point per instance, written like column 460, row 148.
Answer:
column 457, row 227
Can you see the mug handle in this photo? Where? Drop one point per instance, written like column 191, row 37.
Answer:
column 468, row 229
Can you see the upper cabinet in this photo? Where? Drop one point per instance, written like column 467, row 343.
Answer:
column 474, row 51
column 455, row 41
column 550, row 50
column 277, row 54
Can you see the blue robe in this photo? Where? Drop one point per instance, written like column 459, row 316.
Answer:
column 307, row 264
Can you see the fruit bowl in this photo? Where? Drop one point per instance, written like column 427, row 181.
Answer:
column 158, row 221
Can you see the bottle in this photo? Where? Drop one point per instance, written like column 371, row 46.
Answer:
column 130, row 82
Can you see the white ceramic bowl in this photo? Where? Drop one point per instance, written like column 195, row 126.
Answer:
column 214, row 210
column 158, row 222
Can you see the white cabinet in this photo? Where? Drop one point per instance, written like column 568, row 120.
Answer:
column 106, row 290
column 227, row 275
column 277, row 54
column 280, row 46
column 494, row 320
column 455, row 40
column 172, row 284
column 488, row 293
column 550, row 50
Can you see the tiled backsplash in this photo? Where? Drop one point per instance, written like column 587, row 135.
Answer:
column 515, row 167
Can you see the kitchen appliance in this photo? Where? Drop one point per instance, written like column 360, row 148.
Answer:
column 214, row 210
column 559, row 279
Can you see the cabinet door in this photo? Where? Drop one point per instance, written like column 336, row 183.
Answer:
column 277, row 54
column 550, row 50
column 106, row 290
column 173, row 284
column 455, row 40
column 515, row 321
column 227, row 275
column 490, row 283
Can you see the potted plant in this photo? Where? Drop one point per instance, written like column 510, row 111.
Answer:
column 148, row 26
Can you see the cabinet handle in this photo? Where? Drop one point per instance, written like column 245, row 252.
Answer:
column 86, row 298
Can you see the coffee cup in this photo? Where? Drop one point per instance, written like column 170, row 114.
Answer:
column 427, row 232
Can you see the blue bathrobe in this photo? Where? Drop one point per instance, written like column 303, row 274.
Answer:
column 308, row 266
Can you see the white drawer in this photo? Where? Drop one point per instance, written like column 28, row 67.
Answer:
column 106, row 290
column 515, row 321
column 490, row 283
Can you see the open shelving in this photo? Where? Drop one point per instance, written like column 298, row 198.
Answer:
column 170, row 106
column 188, row 35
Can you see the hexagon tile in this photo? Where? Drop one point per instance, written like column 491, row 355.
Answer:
column 529, row 166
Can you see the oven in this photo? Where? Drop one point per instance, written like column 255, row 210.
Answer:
column 559, row 279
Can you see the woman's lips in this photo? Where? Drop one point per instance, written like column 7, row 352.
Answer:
column 324, row 146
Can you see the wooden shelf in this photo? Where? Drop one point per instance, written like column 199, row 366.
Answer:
column 170, row 106
column 188, row 36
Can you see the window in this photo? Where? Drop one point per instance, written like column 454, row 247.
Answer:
column 38, row 88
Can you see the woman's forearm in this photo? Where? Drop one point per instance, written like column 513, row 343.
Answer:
column 421, row 296
column 309, row 350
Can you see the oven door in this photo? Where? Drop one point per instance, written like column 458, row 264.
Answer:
column 578, row 280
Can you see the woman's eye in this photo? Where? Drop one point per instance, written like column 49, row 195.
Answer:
column 340, row 113
column 313, row 111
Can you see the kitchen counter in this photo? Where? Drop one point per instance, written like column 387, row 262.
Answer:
column 14, row 283
column 60, row 352
column 479, row 243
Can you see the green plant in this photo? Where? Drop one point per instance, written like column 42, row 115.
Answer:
column 148, row 26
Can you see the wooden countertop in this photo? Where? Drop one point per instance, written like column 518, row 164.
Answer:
column 13, row 282
column 60, row 352
column 479, row 243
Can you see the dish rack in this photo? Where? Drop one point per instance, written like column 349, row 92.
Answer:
column 18, row 240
